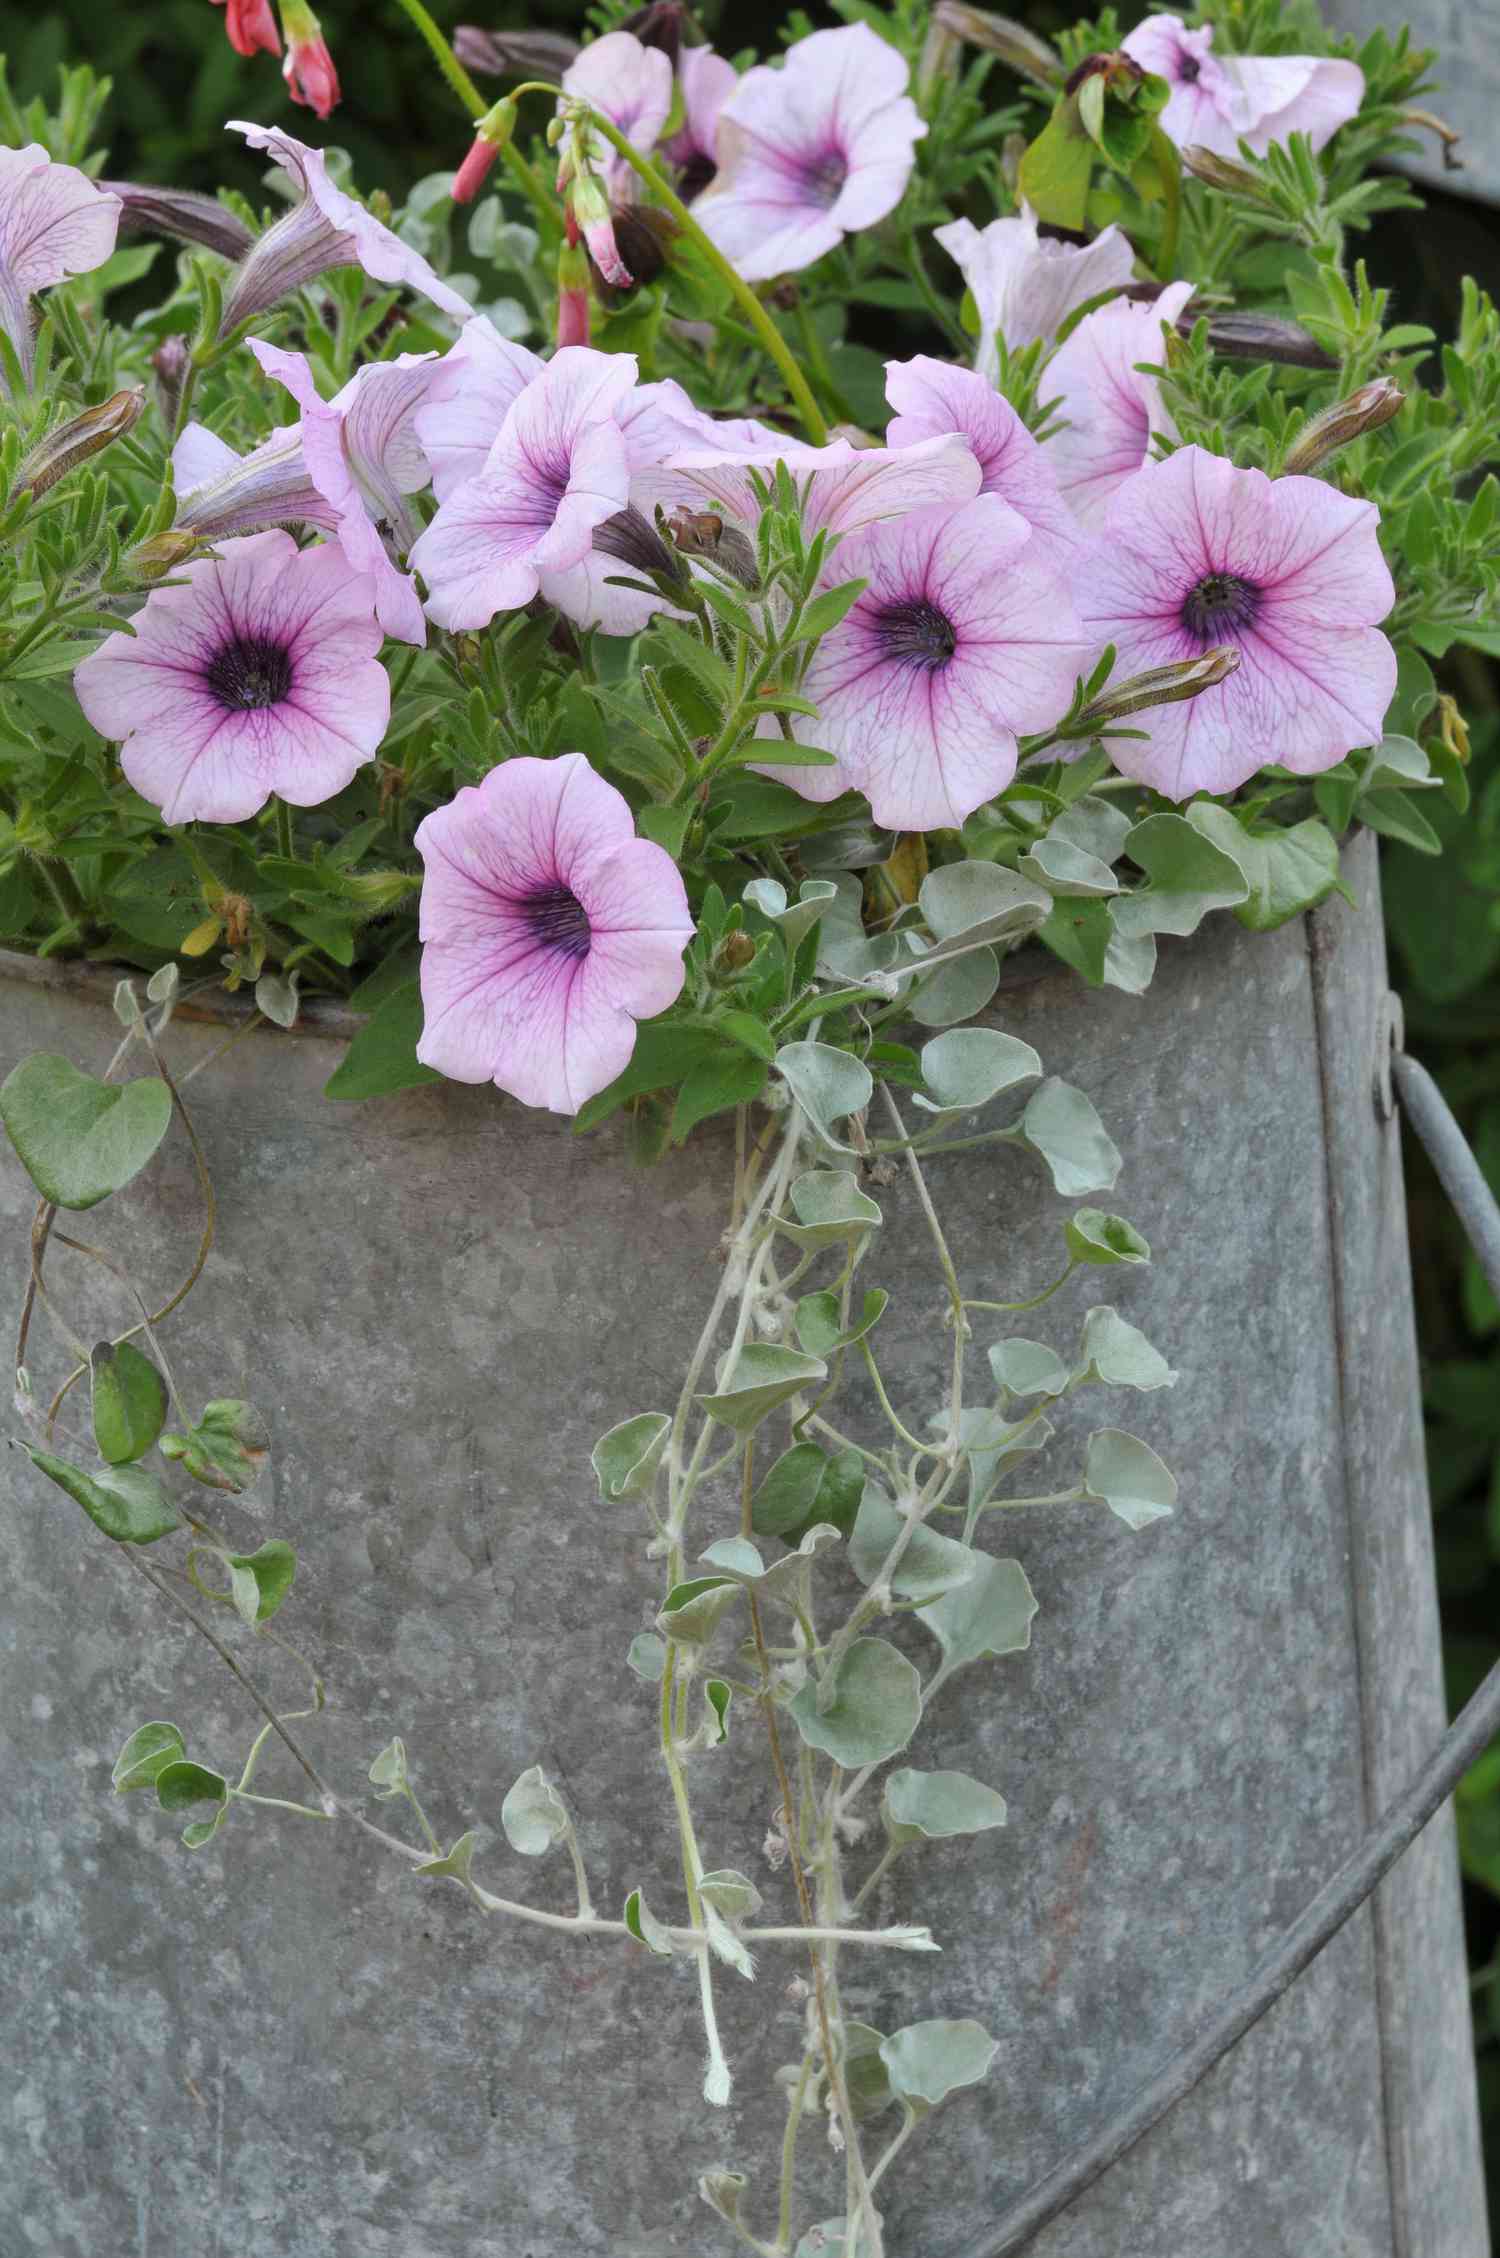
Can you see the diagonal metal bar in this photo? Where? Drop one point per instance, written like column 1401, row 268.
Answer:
column 1346, row 1891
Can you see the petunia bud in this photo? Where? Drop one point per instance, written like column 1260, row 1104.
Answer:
column 514, row 54
column 180, row 213
column 572, row 295
column 734, row 955
column 72, row 443
column 938, row 64
column 1223, row 173
column 491, row 135
column 588, row 208
column 1258, row 337
column 251, row 26
column 663, row 24
column 630, row 539
column 171, row 361
column 1365, row 410
column 703, row 533
column 162, row 554
column 1159, row 686
column 308, row 67
column 998, row 35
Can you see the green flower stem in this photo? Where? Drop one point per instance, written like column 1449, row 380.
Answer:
column 755, row 313
column 447, row 62
column 286, row 845
column 789, row 2153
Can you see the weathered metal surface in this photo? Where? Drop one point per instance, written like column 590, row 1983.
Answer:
column 285, row 2047
column 1466, row 35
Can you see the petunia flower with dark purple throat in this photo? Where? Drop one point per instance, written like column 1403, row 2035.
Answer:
column 54, row 222
column 810, row 151
column 705, row 81
column 557, row 468
column 256, row 673
column 325, row 228
column 548, row 929
column 963, row 640
column 1194, row 553
column 1217, row 101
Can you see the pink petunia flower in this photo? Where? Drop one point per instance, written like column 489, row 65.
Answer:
column 931, row 397
column 632, row 85
column 54, row 223
column 251, row 25
column 1193, row 552
column 255, row 674
column 962, row 641
column 364, row 457
column 557, row 469
column 811, row 151
column 474, row 387
column 308, row 67
column 548, row 930
column 706, row 82
column 1113, row 410
column 324, row 229
column 1218, row 101
column 1026, row 284
column 220, row 493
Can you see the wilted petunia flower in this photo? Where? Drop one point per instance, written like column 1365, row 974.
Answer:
column 251, row 25
column 364, row 457
column 255, row 674
column 963, row 640
column 1025, row 284
column 632, row 85
column 1192, row 553
column 182, row 213
column 1218, row 101
column 706, row 82
column 548, row 930
column 324, row 229
column 931, row 397
column 220, row 493
column 54, row 223
column 556, row 470
column 810, row 151
column 1113, row 409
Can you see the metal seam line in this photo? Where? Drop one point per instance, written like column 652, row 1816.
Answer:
column 1346, row 1890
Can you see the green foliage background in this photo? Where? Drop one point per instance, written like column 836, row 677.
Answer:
column 176, row 80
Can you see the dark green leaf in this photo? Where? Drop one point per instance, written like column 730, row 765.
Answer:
column 126, row 1502
column 129, row 1402
column 383, row 1055
column 80, row 1139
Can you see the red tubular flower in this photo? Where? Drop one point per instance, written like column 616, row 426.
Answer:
column 251, row 26
column 308, row 68
column 572, row 293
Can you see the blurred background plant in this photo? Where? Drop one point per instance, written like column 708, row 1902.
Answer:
column 176, row 80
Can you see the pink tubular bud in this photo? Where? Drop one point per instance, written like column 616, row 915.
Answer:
column 307, row 66
column 490, row 137
column 572, row 296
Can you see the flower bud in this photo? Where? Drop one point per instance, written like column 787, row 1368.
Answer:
column 998, row 35
column 630, row 539
column 491, row 135
column 703, row 533
column 180, row 213
column 514, row 54
column 1258, row 337
column 162, row 554
column 1159, row 686
column 663, row 24
column 1365, row 410
column 572, row 295
column 72, row 443
column 735, row 954
column 1223, row 173
column 307, row 66
column 938, row 65
column 170, row 361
